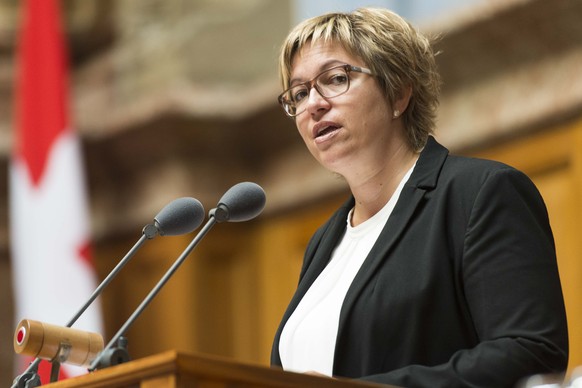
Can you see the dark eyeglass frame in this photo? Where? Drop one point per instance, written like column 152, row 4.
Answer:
column 288, row 105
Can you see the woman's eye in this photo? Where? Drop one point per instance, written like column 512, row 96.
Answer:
column 338, row 79
column 299, row 95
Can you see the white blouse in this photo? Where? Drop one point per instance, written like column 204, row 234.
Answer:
column 308, row 339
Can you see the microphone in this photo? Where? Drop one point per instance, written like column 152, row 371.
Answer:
column 242, row 202
column 182, row 215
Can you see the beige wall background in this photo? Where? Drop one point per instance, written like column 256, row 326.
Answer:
column 179, row 99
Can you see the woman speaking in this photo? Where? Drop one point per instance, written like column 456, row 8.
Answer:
column 439, row 270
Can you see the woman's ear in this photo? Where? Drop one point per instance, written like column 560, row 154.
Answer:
column 401, row 103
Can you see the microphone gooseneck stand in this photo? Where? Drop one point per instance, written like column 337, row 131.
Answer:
column 111, row 355
column 242, row 202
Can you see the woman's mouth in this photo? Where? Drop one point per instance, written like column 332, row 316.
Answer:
column 324, row 130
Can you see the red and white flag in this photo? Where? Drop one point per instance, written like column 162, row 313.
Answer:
column 49, row 221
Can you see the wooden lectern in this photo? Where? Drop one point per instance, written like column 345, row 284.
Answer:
column 174, row 369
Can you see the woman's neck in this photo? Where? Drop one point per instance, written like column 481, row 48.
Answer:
column 374, row 188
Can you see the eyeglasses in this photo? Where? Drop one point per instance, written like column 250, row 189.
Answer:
column 329, row 83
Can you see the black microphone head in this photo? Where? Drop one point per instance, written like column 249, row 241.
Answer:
column 242, row 202
column 180, row 216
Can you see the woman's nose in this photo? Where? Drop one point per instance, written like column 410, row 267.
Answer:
column 316, row 102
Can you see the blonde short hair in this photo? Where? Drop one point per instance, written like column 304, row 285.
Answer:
column 398, row 55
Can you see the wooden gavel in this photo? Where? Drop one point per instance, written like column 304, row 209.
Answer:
column 57, row 343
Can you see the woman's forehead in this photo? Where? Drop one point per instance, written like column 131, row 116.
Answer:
column 317, row 56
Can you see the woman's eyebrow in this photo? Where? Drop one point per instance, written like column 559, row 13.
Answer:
column 324, row 66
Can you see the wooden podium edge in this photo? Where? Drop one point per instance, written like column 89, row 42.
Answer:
column 173, row 365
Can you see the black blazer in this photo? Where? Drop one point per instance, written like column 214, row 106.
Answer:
column 461, row 288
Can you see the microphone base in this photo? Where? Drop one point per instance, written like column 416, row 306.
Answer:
column 27, row 380
column 114, row 356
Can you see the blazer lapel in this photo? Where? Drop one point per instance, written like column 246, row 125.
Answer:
column 423, row 178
